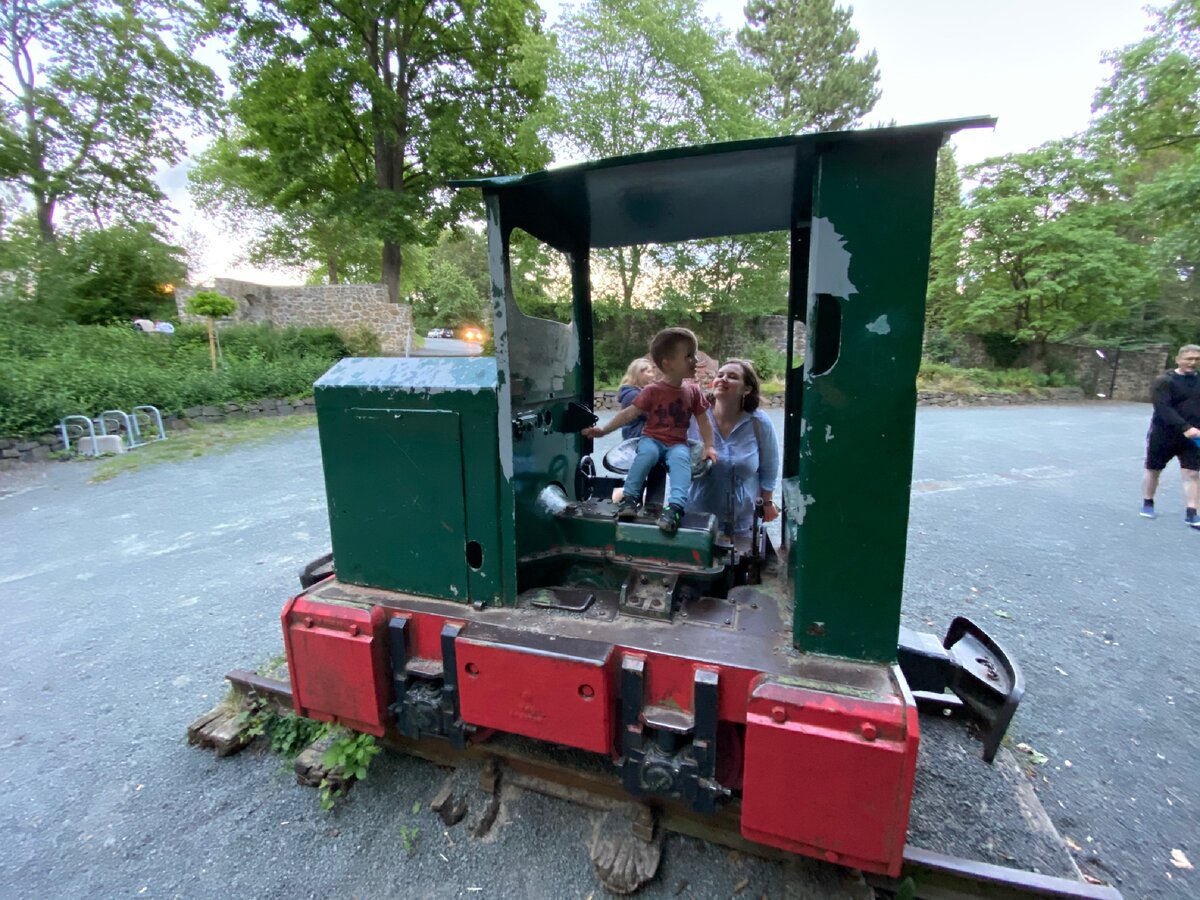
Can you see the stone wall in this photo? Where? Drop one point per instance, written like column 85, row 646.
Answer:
column 341, row 306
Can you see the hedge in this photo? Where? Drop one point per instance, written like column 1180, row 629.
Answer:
column 47, row 373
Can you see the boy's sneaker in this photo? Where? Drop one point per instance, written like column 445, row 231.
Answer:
column 668, row 522
column 1148, row 511
column 1194, row 521
column 627, row 509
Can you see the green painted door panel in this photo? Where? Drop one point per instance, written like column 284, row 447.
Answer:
column 396, row 502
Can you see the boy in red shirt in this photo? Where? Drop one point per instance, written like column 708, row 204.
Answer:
column 670, row 404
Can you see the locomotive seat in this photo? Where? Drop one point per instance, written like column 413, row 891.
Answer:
column 619, row 458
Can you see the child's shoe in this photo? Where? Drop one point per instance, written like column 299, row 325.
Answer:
column 668, row 522
column 627, row 509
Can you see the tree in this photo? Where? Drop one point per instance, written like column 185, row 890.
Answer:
column 98, row 95
column 636, row 75
column 212, row 305
column 1048, row 252
column 946, row 245
column 807, row 49
column 1149, row 113
column 422, row 90
column 309, row 228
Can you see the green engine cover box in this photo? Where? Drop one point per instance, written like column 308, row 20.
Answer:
column 409, row 448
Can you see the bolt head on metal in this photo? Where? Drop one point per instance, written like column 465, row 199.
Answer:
column 779, row 714
column 869, row 732
column 354, row 630
column 309, row 622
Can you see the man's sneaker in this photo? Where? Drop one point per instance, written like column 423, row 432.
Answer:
column 1148, row 511
column 668, row 522
column 627, row 509
column 1194, row 521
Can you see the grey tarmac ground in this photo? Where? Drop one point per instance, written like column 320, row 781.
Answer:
column 123, row 603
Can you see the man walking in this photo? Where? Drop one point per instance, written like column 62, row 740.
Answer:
column 1175, row 431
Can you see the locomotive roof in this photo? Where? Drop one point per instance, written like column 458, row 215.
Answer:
column 684, row 193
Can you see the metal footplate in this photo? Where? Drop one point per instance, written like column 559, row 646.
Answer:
column 967, row 673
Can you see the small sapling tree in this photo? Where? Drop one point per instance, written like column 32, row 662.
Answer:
column 211, row 305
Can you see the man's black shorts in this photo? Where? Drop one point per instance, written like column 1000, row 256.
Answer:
column 1163, row 444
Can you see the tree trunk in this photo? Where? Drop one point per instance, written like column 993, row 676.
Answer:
column 391, row 270
column 212, row 344
column 331, row 268
column 45, row 219
column 1038, row 363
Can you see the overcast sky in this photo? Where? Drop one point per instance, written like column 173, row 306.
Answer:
column 1033, row 64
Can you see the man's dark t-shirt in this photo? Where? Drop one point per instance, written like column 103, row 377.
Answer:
column 1176, row 402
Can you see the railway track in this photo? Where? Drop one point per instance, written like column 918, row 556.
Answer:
column 932, row 875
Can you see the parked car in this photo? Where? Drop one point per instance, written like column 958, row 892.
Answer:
column 440, row 333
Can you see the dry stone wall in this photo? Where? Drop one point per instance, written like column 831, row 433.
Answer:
column 341, row 306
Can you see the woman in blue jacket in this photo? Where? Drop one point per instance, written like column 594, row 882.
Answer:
column 747, row 467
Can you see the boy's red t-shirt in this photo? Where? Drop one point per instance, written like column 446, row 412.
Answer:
column 669, row 410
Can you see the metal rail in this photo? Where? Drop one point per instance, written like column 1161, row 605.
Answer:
column 935, row 876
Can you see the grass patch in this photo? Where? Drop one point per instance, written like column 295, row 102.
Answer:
column 202, row 439
column 969, row 382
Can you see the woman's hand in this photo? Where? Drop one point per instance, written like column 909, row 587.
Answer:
column 710, row 452
column 592, row 431
column 770, row 510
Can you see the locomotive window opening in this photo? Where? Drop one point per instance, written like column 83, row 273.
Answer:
column 827, row 336
column 539, row 278
column 474, row 555
column 731, row 291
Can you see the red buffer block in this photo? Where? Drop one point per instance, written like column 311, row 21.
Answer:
column 337, row 661
column 555, row 689
column 829, row 774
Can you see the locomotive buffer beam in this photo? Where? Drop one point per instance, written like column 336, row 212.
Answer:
column 935, row 875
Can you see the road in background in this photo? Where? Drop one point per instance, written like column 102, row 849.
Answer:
column 122, row 604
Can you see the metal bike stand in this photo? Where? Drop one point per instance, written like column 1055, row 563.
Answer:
column 65, row 430
column 152, row 416
column 122, row 420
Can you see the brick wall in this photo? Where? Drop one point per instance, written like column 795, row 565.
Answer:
column 341, row 306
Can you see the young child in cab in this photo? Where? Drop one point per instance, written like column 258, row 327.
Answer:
column 640, row 373
column 670, row 404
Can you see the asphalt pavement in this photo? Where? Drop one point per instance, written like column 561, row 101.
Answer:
column 122, row 604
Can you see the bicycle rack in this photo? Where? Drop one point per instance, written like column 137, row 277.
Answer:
column 151, row 416
column 65, row 430
column 121, row 419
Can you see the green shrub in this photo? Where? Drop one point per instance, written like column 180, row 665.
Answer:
column 940, row 376
column 47, row 373
column 768, row 362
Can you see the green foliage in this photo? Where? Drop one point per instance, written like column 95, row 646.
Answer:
column 807, row 50
column 362, row 341
column 47, row 373
column 114, row 88
column 352, row 753
column 768, row 362
column 287, row 734
column 408, row 837
column 347, row 133
column 941, row 346
column 633, row 75
column 211, row 304
column 946, row 241
column 943, row 377
column 1149, row 112
column 90, row 276
column 1049, row 252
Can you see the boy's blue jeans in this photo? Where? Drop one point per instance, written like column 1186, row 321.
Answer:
column 679, row 468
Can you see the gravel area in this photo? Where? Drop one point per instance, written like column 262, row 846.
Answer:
column 125, row 602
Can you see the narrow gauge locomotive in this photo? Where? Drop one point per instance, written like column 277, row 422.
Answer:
column 484, row 585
